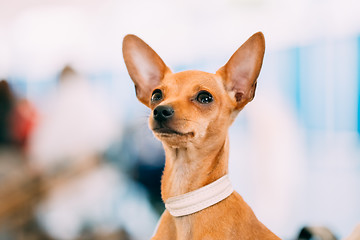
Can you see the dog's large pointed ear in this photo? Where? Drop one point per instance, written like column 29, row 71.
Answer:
column 241, row 71
column 145, row 67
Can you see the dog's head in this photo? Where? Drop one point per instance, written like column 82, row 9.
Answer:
column 193, row 106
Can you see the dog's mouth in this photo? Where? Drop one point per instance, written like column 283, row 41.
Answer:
column 166, row 131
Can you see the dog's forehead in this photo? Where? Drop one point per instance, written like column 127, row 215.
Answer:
column 194, row 79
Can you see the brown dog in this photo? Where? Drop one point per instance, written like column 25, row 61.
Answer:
column 191, row 114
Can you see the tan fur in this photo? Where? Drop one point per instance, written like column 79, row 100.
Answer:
column 198, row 154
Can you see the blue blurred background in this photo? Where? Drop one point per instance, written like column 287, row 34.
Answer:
column 77, row 160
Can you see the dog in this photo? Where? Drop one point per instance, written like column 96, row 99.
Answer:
column 191, row 112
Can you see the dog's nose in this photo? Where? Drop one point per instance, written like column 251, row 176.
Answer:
column 163, row 113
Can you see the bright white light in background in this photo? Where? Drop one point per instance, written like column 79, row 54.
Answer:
column 43, row 39
column 46, row 38
column 5, row 57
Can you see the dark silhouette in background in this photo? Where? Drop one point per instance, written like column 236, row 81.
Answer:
column 17, row 118
column 7, row 103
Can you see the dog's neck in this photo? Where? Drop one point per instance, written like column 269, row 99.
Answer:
column 188, row 169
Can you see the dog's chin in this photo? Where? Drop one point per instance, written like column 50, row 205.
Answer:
column 172, row 136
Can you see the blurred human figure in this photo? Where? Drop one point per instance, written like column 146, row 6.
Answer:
column 19, row 186
column 17, row 118
column 92, row 196
column 76, row 122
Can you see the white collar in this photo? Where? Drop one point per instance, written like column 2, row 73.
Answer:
column 200, row 199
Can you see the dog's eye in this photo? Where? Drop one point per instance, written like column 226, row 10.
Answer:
column 157, row 95
column 204, row 97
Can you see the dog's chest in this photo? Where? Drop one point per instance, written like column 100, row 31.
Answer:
column 184, row 229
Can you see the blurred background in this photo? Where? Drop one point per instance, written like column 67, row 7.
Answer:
column 77, row 160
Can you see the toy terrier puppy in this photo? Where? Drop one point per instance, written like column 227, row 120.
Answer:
column 191, row 112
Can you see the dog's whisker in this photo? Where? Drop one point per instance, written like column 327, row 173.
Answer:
column 188, row 120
